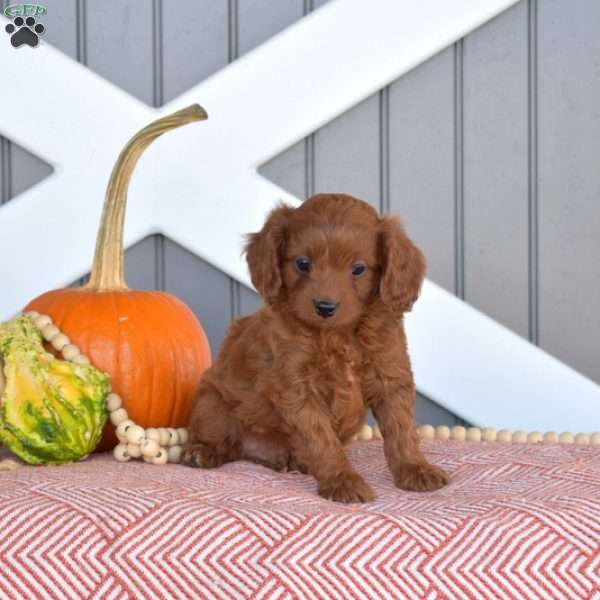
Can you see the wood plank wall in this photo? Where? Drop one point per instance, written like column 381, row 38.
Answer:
column 489, row 151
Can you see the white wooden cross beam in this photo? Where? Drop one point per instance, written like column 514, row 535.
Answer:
column 200, row 187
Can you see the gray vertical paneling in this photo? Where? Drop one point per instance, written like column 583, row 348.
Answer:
column 250, row 301
column 429, row 412
column 194, row 44
column 140, row 270
column 294, row 168
column 418, row 174
column 5, row 192
column 61, row 25
column 259, row 20
column 19, row 169
column 569, row 181
column 384, row 151
column 287, row 170
column 157, row 54
column 27, row 169
column 488, row 151
column 5, row 169
column 120, row 44
column 459, row 189
column 203, row 288
column 195, row 34
column 532, row 163
column 251, row 23
column 140, row 266
column 421, row 161
column 495, row 174
column 346, row 153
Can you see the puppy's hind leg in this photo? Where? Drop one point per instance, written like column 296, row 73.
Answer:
column 214, row 433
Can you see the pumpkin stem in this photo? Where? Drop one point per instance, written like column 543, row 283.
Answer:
column 107, row 269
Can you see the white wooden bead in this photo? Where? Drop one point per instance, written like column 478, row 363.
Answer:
column 32, row 314
column 134, row 450
column 473, row 434
column 458, row 433
column 183, row 435
column 173, row 437
column 582, row 438
column 595, row 439
column 60, row 341
column 164, row 436
column 150, row 447
column 566, row 438
column 551, row 437
column 442, row 432
column 161, row 458
column 70, row 351
column 113, row 402
column 535, row 437
column 120, row 453
column 118, row 416
column 135, row 434
column 123, row 428
column 80, row 359
column 49, row 331
column 377, row 433
column 427, row 432
column 519, row 437
column 42, row 321
column 147, row 459
column 504, row 436
column 365, row 432
column 489, row 434
column 174, row 454
column 153, row 434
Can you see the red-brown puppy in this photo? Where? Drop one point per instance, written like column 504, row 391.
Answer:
column 292, row 383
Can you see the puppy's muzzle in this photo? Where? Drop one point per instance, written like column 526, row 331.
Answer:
column 325, row 308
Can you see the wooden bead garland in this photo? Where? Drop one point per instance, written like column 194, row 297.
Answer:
column 164, row 444
column 156, row 446
column 487, row 434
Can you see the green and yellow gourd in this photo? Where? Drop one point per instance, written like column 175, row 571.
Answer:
column 51, row 411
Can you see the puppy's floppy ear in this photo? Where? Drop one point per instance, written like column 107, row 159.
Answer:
column 264, row 251
column 403, row 266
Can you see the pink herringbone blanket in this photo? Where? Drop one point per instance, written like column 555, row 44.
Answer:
column 516, row 521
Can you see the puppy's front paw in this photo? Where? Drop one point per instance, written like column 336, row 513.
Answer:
column 420, row 477
column 201, row 455
column 349, row 487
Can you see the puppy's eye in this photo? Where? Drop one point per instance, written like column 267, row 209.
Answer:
column 358, row 269
column 303, row 264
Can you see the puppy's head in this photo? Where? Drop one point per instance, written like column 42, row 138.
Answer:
column 329, row 259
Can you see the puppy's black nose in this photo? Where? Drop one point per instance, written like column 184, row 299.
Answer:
column 325, row 308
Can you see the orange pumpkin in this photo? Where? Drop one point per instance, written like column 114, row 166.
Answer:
column 150, row 343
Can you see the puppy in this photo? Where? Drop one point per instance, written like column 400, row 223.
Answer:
column 292, row 383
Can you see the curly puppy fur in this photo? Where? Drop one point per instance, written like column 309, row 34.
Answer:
column 292, row 383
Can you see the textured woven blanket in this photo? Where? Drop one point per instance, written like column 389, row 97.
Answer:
column 516, row 521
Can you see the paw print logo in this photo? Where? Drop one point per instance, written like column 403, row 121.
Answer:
column 24, row 31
